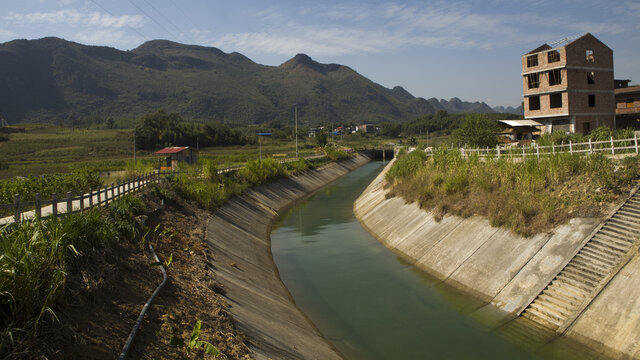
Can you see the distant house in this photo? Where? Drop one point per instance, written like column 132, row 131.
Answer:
column 367, row 128
column 568, row 85
column 519, row 130
column 627, row 105
column 175, row 155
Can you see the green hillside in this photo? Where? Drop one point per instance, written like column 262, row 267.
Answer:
column 51, row 80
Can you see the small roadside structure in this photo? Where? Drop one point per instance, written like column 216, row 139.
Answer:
column 175, row 155
column 516, row 131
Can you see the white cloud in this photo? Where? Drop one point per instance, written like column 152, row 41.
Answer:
column 109, row 37
column 75, row 17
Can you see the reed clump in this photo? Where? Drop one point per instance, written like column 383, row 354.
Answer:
column 527, row 196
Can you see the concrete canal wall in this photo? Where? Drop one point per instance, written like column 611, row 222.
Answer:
column 239, row 236
column 504, row 270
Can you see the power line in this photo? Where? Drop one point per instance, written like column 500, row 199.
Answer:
column 180, row 31
column 110, row 13
column 154, row 20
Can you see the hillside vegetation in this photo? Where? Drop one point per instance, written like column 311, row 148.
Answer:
column 527, row 197
column 51, row 80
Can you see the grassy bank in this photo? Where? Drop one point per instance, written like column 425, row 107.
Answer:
column 527, row 197
column 36, row 256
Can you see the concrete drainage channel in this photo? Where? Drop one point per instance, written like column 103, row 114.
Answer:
column 239, row 237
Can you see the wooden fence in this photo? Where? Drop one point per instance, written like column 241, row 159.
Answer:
column 609, row 147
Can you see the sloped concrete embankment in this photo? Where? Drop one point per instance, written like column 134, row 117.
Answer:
column 239, row 236
column 504, row 270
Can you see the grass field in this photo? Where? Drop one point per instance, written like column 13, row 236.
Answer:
column 41, row 150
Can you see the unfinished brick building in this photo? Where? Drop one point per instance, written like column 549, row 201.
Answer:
column 568, row 85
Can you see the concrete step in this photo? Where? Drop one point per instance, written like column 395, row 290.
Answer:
column 628, row 218
column 566, row 296
column 631, row 205
column 574, row 269
column 612, row 245
column 569, row 287
column 542, row 318
column 614, row 254
column 625, row 222
column 629, row 212
column 605, row 237
column 576, row 282
column 580, row 264
column 612, row 233
column 559, row 302
column 560, row 313
column 594, row 253
column 627, row 233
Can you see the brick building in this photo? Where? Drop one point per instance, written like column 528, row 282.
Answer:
column 627, row 105
column 568, row 85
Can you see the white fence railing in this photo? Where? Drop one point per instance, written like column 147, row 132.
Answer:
column 610, row 147
column 68, row 203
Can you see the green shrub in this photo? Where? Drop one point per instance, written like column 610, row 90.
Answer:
column 406, row 165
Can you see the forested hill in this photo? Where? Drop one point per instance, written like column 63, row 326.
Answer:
column 51, row 80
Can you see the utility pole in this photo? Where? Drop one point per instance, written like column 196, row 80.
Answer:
column 134, row 147
column 296, row 109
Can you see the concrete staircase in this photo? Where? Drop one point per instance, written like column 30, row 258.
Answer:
column 595, row 264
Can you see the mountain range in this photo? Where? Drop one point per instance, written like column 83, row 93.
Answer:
column 52, row 80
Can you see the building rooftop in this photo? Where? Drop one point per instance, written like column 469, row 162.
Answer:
column 628, row 89
column 171, row 150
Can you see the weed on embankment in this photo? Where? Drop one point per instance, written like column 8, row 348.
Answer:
column 527, row 197
column 211, row 190
column 35, row 257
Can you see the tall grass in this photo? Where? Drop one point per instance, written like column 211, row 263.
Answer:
column 77, row 181
column 211, row 190
column 528, row 197
column 35, row 256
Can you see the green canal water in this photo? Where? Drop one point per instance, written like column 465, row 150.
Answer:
column 363, row 298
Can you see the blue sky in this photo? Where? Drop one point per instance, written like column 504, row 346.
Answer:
column 469, row 49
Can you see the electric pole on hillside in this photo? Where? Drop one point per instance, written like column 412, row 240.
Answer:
column 296, row 111
column 134, row 147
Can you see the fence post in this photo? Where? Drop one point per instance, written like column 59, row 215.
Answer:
column 553, row 149
column 635, row 138
column 522, row 152
column 498, row 150
column 82, row 202
column 69, row 203
column 90, row 199
column 98, row 196
column 54, row 204
column 570, row 148
column 119, row 190
column 106, row 194
column 613, row 151
column 538, row 151
column 590, row 147
column 38, row 205
column 16, row 203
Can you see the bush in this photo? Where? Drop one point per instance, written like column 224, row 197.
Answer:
column 477, row 131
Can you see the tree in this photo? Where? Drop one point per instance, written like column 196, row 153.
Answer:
column 322, row 138
column 477, row 131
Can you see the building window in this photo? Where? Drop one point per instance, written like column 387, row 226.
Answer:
column 592, row 100
column 534, row 102
column 586, row 127
column 532, row 60
column 555, row 77
column 533, row 80
column 630, row 102
column 553, row 56
column 589, row 56
column 591, row 77
column 555, row 101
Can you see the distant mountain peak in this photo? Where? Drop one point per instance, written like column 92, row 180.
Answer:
column 306, row 61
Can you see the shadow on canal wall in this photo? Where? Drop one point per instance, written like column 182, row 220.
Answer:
column 239, row 237
column 506, row 271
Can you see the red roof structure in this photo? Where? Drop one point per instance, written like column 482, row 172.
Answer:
column 171, row 150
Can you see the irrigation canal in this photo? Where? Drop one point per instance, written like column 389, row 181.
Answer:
column 363, row 298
